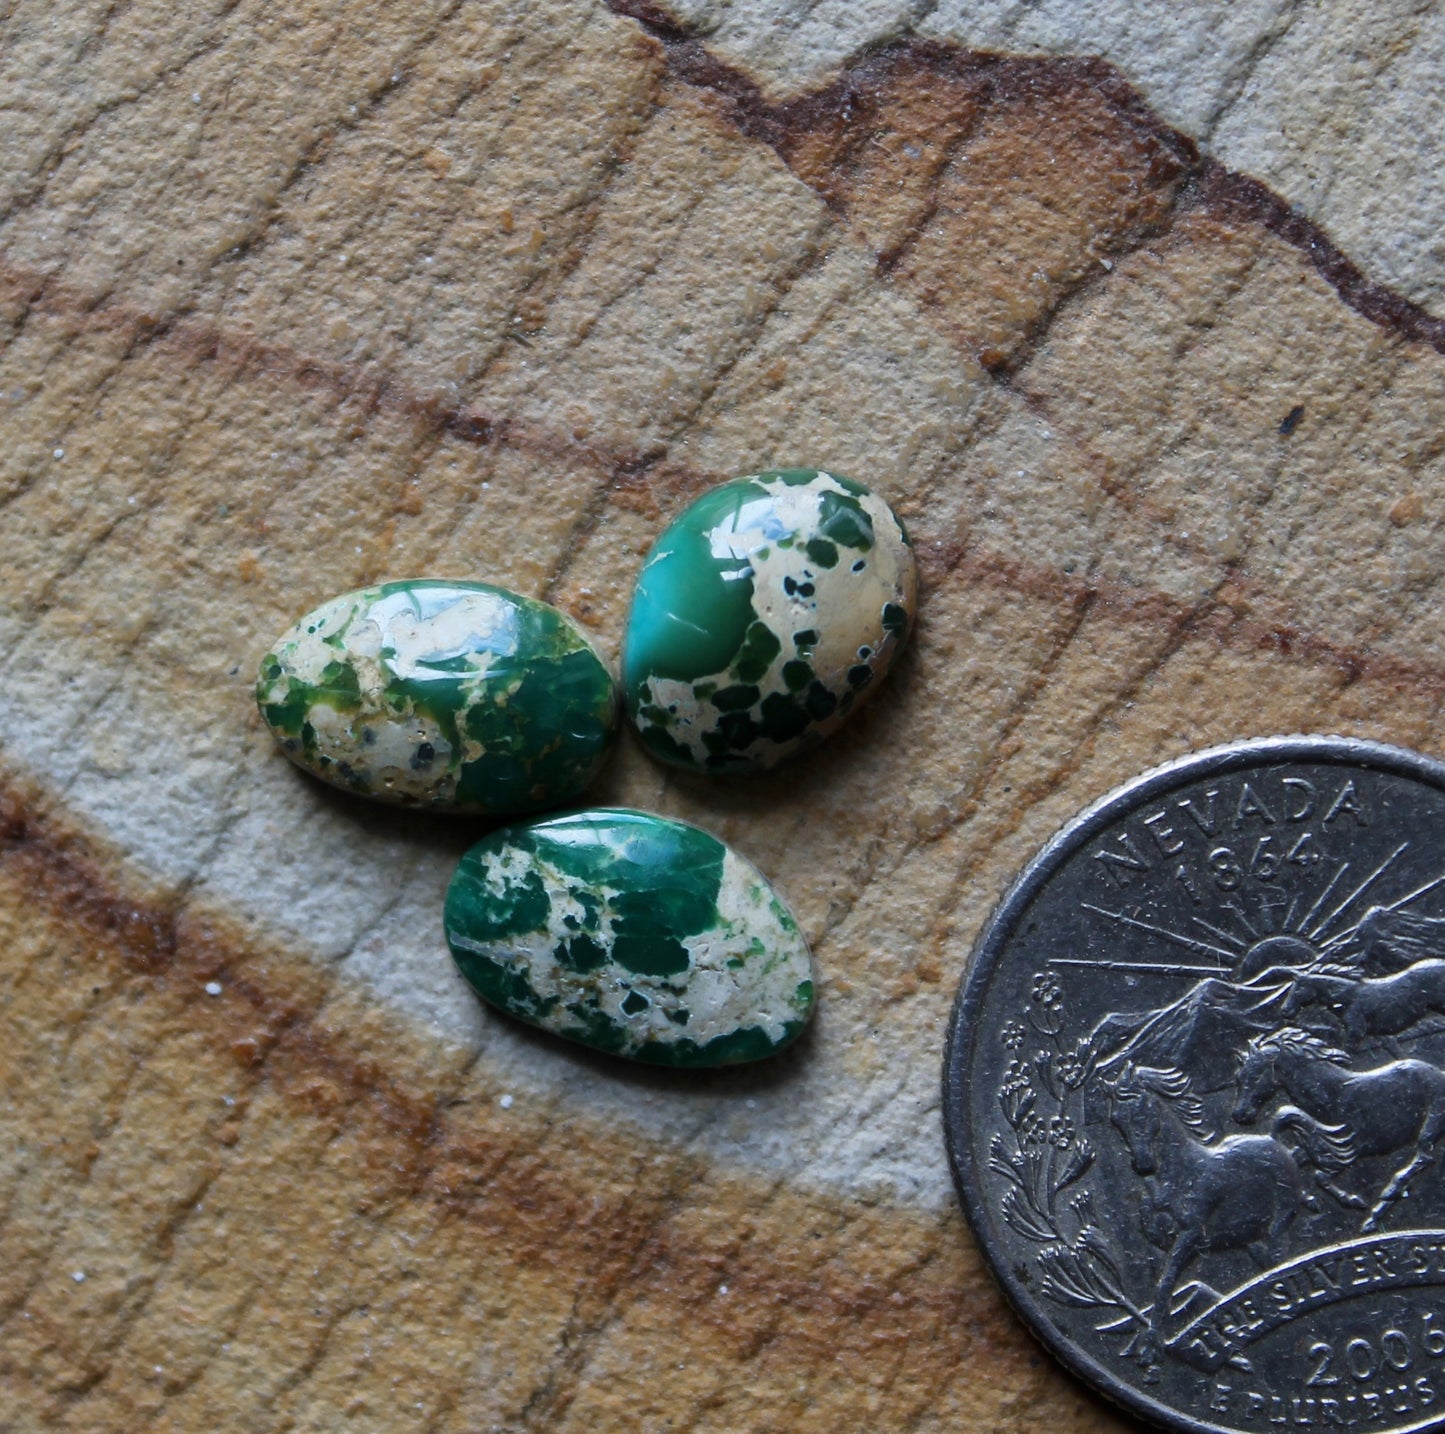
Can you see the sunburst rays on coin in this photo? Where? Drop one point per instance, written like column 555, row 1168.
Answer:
column 1251, row 938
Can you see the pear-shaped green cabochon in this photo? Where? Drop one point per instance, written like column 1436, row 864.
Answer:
column 631, row 933
column 764, row 615
column 446, row 695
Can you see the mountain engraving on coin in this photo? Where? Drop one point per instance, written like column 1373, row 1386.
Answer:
column 1195, row 1090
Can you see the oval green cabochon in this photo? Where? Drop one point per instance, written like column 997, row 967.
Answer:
column 764, row 615
column 447, row 695
column 634, row 934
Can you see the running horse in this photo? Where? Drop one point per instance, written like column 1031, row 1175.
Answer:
column 1393, row 1107
column 1241, row 1192
column 1373, row 1006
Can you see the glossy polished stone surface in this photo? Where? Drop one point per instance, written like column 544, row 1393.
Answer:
column 763, row 617
column 447, row 695
column 633, row 934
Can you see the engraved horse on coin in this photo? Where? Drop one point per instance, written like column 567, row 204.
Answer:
column 1388, row 977
column 1393, row 1107
column 1196, row 1089
column 1372, row 1007
column 1390, row 939
column 1241, row 1192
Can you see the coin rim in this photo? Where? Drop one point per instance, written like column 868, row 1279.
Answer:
column 965, row 1025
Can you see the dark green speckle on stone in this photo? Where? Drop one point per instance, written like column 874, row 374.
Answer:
column 636, row 935
column 754, row 613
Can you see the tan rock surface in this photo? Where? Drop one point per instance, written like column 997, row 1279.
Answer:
column 294, row 302
column 1337, row 104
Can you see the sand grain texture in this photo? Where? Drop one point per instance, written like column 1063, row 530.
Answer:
column 293, row 302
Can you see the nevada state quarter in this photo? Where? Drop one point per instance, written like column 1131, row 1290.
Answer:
column 1195, row 1090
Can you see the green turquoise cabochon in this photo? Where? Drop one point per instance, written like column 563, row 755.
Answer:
column 447, row 695
column 763, row 617
column 633, row 934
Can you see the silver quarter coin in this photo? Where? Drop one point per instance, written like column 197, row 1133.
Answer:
column 1195, row 1090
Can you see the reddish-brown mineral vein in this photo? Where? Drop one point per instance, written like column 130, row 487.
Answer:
column 546, row 1214
column 626, row 470
column 246, row 355
column 785, row 125
column 1222, row 621
column 471, row 1173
